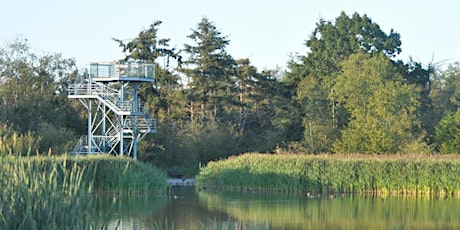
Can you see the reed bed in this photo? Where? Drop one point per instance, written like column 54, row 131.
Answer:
column 121, row 175
column 43, row 196
column 47, row 192
column 338, row 173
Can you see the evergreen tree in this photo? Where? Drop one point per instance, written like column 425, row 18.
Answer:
column 148, row 47
column 209, row 69
column 265, row 118
column 245, row 74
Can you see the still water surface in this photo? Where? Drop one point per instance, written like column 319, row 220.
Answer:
column 191, row 209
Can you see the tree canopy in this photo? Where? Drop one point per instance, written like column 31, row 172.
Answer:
column 380, row 105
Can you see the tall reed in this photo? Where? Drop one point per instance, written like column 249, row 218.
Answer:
column 124, row 175
column 49, row 192
column 408, row 174
column 12, row 143
column 43, row 196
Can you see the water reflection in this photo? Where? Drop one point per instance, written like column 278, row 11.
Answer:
column 281, row 211
column 348, row 212
column 178, row 211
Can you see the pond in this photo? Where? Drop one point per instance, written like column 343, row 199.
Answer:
column 189, row 209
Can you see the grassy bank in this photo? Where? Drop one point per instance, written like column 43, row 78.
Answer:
column 400, row 174
column 57, row 192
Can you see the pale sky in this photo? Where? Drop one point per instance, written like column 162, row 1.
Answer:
column 265, row 31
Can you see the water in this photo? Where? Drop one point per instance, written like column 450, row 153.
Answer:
column 193, row 210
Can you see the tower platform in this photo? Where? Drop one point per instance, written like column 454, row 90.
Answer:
column 117, row 119
column 122, row 72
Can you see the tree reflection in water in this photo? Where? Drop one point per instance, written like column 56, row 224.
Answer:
column 191, row 209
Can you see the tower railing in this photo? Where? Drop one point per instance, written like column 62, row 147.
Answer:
column 109, row 95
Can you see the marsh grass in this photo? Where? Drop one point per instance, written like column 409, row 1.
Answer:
column 43, row 196
column 328, row 174
column 121, row 175
column 57, row 192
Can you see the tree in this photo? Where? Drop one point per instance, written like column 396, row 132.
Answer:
column 318, row 113
column 446, row 90
column 446, row 101
column 245, row 74
column 165, row 98
column 315, row 74
column 447, row 133
column 330, row 43
column 210, row 72
column 415, row 74
column 265, row 116
column 32, row 94
column 256, row 95
column 147, row 47
column 380, row 105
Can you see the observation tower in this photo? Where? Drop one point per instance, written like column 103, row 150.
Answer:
column 117, row 119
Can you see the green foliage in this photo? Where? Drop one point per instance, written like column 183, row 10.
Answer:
column 315, row 74
column 30, row 87
column 186, row 147
column 332, row 42
column 381, row 107
column 59, row 140
column 32, row 96
column 445, row 96
column 446, row 91
column 329, row 174
column 191, row 145
column 164, row 98
column 447, row 133
column 226, row 108
column 421, row 77
column 418, row 146
column 320, row 128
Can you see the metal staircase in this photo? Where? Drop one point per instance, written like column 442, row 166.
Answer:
column 117, row 119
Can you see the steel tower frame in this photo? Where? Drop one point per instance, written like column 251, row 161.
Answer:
column 117, row 119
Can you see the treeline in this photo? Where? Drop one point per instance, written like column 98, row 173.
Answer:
column 349, row 94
